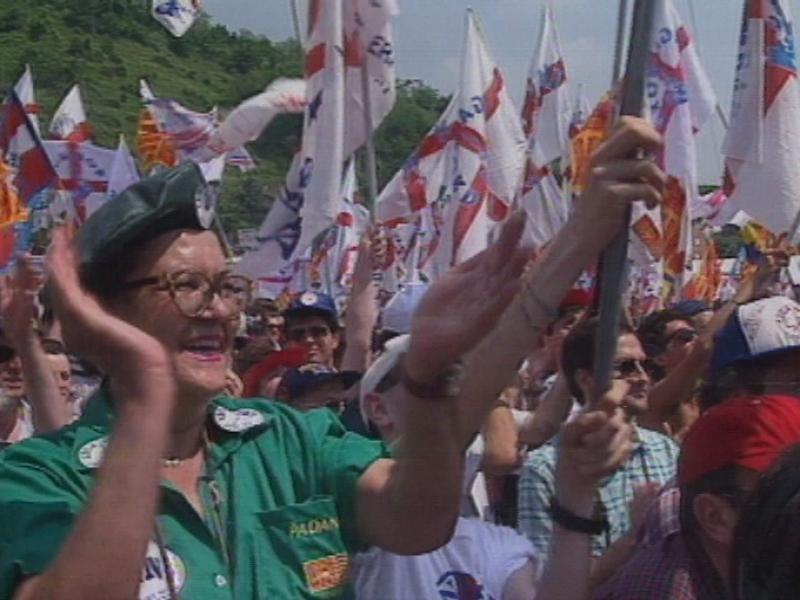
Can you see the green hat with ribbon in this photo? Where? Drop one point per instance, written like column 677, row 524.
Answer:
column 176, row 198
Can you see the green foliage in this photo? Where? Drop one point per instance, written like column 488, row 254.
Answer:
column 108, row 45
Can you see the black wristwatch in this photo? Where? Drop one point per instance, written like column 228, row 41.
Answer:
column 572, row 522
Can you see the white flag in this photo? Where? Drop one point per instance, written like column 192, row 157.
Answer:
column 468, row 167
column 176, row 15
column 69, row 121
column 123, row 170
column 763, row 143
column 27, row 96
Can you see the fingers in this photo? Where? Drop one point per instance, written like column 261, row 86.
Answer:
column 630, row 135
column 631, row 171
column 614, row 398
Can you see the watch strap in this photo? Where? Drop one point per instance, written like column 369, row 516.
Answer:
column 572, row 522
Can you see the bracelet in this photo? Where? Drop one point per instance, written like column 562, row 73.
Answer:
column 572, row 522
column 446, row 385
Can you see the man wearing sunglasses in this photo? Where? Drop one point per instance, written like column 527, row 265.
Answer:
column 312, row 322
column 651, row 464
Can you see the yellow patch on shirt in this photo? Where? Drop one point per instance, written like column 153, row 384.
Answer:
column 327, row 573
column 313, row 527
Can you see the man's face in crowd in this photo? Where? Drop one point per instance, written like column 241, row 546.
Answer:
column 313, row 333
column 679, row 338
column 273, row 326
column 554, row 339
column 200, row 347
column 11, row 378
column 59, row 365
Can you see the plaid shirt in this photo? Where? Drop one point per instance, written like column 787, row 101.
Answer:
column 653, row 460
column 661, row 566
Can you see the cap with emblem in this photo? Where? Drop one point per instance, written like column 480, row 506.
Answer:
column 177, row 198
column 313, row 303
column 303, row 380
column 758, row 329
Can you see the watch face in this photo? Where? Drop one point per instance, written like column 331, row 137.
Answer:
column 205, row 201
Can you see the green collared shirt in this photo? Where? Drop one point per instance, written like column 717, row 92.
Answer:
column 279, row 504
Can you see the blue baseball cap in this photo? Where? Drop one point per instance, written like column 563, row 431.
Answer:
column 311, row 302
column 303, row 380
column 758, row 329
column 690, row 308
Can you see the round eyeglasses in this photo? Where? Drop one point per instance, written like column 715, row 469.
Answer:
column 193, row 292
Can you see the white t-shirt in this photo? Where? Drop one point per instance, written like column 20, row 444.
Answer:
column 475, row 494
column 475, row 564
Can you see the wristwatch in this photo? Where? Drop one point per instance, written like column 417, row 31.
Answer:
column 572, row 522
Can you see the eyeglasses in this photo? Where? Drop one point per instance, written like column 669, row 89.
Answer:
column 298, row 334
column 193, row 292
column 627, row 368
column 682, row 336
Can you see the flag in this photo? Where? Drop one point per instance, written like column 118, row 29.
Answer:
column 177, row 16
column 123, row 171
column 591, row 135
column 546, row 116
column 241, row 159
column 69, row 121
column 368, row 49
column 467, row 169
column 27, row 96
column 680, row 101
column 349, row 48
column 154, row 146
column 83, row 170
column 189, row 131
column 762, row 145
column 12, row 209
column 22, row 150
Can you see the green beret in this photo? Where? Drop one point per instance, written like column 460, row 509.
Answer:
column 176, row 198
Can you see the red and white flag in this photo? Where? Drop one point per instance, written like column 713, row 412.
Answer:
column 123, row 170
column 466, row 170
column 349, row 44
column 546, row 117
column 83, row 171
column 27, row 96
column 69, row 121
column 680, row 101
column 762, row 145
column 22, row 150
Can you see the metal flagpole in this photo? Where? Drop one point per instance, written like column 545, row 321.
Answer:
column 614, row 260
column 298, row 31
column 619, row 46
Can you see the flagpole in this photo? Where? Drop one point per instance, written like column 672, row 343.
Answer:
column 619, row 47
column 298, row 31
column 614, row 260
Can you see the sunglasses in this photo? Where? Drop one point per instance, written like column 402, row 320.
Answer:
column 298, row 334
column 628, row 368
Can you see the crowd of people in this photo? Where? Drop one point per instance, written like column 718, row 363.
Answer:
column 168, row 435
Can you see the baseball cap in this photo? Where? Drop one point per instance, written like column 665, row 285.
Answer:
column 690, row 308
column 576, row 298
column 757, row 329
column 392, row 353
column 302, row 380
column 314, row 303
column 398, row 311
column 748, row 432
column 289, row 358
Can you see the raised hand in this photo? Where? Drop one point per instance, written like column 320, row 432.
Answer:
column 116, row 347
column 616, row 180
column 463, row 306
column 18, row 301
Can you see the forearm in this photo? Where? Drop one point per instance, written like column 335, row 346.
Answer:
column 416, row 508
column 617, row 555
column 553, row 410
column 568, row 568
column 48, row 409
column 104, row 553
column 360, row 319
column 501, row 449
column 498, row 357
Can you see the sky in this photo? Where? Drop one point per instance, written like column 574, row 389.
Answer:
column 428, row 38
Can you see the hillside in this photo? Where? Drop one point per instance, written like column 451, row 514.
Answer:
column 108, row 45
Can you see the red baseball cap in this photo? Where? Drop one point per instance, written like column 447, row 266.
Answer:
column 748, row 432
column 289, row 358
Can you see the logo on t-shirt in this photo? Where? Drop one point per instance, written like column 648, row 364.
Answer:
column 155, row 583
column 455, row 585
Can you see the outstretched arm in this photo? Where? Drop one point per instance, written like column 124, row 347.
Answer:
column 103, row 555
